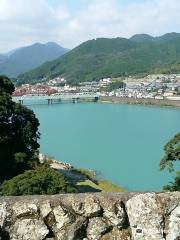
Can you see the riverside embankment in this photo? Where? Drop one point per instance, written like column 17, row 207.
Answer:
column 84, row 180
column 148, row 101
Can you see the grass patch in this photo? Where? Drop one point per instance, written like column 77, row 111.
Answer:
column 89, row 183
column 87, row 173
column 98, row 184
column 107, row 186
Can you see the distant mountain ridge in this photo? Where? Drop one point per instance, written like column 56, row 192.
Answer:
column 149, row 38
column 26, row 58
column 103, row 57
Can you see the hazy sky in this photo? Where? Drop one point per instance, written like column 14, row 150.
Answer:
column 70, row 22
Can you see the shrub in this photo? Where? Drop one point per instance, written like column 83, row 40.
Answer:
column 42, row 180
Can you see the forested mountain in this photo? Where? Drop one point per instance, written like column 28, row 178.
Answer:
column 26, row 58
column 104, row 57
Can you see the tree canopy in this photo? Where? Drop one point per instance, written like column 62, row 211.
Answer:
column 41, row 180
column 115, row 85
column 102, row 58
column 6, row 85
column 18, row 134
column 172, row 154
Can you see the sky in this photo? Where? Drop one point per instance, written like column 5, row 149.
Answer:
column 71, row 22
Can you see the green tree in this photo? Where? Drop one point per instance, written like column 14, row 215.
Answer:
column 6, row 85
column 115, row 85
column 18, row 134
column 174, row 186
column 172, row 154
column 41, row 180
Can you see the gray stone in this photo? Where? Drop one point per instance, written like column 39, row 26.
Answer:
column 174, row 225
column 116, row 215
column 93, row 216
column 62, row 217
column 62, row 235
column 96, row 228
column 24, row 208
column 45, row 209
column 89, row 208
column 117, row 234
column 74, row 231
column 28, row 229
column 3, row 213
column 145, row 218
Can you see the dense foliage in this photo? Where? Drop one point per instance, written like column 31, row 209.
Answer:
column 19, row 151
column 18, row 134
column 42, row 180
column 103, row 57
column 115, row 85
column 172, row 154
column 6, row 85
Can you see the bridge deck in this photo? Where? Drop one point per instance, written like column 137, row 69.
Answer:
column 55, row 97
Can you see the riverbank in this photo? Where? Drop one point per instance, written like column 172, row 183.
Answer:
column 140, row 101
column 84, row 180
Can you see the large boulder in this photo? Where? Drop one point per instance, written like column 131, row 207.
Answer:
column 28, row 229
column 96, row 228
column 173, row 232
column 90, row 207
column 116, row 215
column 145, row 217
column 23, row 208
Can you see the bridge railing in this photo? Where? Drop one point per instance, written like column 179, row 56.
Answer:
column 55, row 96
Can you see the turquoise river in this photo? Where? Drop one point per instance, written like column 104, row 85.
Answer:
column 123, row 143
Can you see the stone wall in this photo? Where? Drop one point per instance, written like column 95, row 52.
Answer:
column 98, row 216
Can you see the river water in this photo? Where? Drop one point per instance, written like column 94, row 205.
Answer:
column 123, row 143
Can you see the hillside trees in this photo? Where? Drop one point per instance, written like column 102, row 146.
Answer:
column 18, row 134
column 172, row 155
column 41, row 180
column 104, row 58
column 115, row 85
column 20, row 170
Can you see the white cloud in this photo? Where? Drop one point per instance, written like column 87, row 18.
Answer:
column 27, row 21
column 24, row 22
